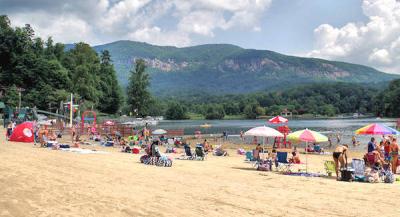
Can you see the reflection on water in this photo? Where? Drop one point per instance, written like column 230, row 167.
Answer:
column 330, row 127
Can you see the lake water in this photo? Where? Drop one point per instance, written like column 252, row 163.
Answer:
column 330, row 127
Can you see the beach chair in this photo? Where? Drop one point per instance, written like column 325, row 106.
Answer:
column 317, row 148
column 188, row 153
column 282, row 164
column 359, row 169
column 370, row 159
column 200, row 153
column 329, row 167
column 249, row 156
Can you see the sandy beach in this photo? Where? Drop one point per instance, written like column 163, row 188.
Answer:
column 43, row 182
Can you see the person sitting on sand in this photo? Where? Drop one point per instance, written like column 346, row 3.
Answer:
column 273, row 155
column 220, row 152
column 340, row 157
column 124, row 146
column 207, row 147
column 155, row 152
column 295, row 156
column 52, row 136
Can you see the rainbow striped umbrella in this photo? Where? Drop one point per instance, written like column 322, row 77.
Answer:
column 377, row 129
column 307, row 136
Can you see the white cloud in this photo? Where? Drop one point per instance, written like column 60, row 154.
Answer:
column 374, row 43
column 172, row 22
column 63, row 28
column 155, row 35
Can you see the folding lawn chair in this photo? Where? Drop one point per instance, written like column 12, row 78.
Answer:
column 200, row 153
column 188, row 153
column 359, row 169
column 330, row 167
column 282, row 164
column 249, row 156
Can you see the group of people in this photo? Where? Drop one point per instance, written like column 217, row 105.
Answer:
column 385, row 152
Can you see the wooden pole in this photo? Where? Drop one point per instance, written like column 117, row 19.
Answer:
column 70, row 111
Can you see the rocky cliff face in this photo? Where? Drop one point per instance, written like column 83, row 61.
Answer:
column 230, row 69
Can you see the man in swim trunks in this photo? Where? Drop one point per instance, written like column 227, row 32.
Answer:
column 340, row 156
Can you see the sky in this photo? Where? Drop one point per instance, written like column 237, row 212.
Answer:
column 359, row 31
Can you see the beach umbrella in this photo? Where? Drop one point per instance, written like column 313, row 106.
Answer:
column 159, row 132
column 377, row 129
column 109, row 123
column 307, row 136
column 263, row 132
column 278, row 120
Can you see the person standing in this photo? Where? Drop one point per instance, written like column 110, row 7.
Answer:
column 394, row 152
column 73, row 133
column 9, row 130
column 371, row 145
column 340, row 158
column 241, row 135
column 330, row 141
column 353, row 141
column 337, row 138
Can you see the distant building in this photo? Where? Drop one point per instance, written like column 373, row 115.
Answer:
column 286, row 113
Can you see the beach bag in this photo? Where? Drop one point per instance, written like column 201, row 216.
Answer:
column 388, row 177
column 265, row 166
column 144, row 158
column 347, row 175
column 164, row 161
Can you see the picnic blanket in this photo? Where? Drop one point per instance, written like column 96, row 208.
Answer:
column 83, row 151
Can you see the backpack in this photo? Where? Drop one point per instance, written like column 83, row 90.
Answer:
column 388, row 178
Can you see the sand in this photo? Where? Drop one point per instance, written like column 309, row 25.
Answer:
column 43, row 182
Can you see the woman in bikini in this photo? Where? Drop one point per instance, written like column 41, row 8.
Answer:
column 340, row 156
column 394, row 152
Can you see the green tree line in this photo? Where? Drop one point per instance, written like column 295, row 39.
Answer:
column 49, row 73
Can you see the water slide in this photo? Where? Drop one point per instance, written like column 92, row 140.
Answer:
column 35, row 112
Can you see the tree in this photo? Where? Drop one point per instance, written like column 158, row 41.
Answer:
column 111, row 96
column 11, row 98
column 138, row 93
column 215, row 112
column 175, row 111
column 251, row 111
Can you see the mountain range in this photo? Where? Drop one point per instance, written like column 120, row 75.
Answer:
column 225, row 68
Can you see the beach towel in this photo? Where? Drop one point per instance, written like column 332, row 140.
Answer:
column 241, row 151
column 83, row 151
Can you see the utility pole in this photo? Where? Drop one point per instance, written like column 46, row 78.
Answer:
column 71, row 111
column 19, row 89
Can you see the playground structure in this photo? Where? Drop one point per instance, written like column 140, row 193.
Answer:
column 282, row 142
column 85, row 118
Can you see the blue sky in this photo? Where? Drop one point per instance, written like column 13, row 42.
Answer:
column 359, row 31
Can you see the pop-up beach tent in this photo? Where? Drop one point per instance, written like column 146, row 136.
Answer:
column 23, row 133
